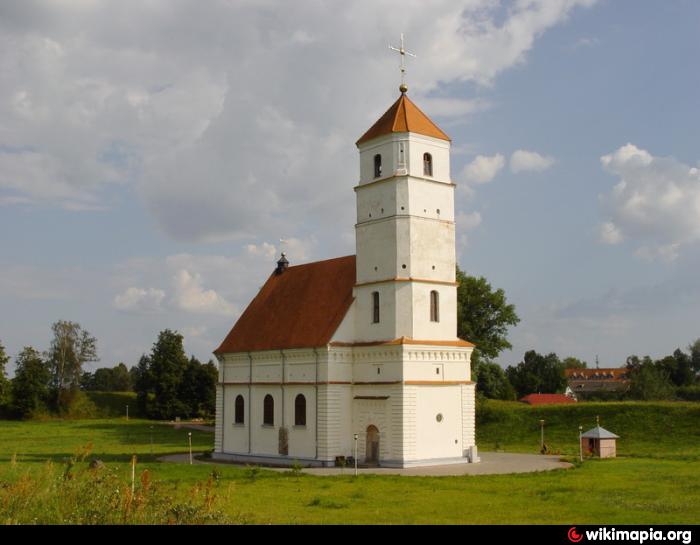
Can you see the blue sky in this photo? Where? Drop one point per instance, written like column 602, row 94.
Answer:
column 152, row 156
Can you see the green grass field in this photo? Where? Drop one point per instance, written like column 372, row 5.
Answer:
column 668, row 430
column 656, row 479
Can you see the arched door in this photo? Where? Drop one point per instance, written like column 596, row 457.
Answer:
column 372, row 446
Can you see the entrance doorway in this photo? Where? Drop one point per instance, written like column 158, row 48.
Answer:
column 372, row 446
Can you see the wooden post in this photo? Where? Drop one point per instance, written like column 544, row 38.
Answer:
column 133, row 473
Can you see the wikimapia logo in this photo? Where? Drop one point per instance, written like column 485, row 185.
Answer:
column 637, row 536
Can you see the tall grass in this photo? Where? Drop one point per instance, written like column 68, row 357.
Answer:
column 77, row 492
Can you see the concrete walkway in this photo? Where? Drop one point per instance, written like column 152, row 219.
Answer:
column 192, row 426
column 492, row 463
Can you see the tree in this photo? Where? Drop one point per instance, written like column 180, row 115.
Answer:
column 678, row 368
column 206, row 388
column 71, row 347
column 537, row 374
column 30, row 386
column 492, row 381
column 483, row 316
column 142, row 381
column 574, row 363
column 198, row 388
column 115, row 379
column 648, row 381
column 167, row 365
column 87, row 381
column 4, row 383
column 694, row 350
column 121, row 378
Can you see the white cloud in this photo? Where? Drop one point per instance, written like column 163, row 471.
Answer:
column 529, row 161
column 264, row 249
column 192, row 297
column 655, row 202
column 609, row 233
column 484, row 168
column 227, row 146
column 139, row 300
column 468, row 221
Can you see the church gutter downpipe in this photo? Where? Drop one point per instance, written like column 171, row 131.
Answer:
column 316, row 400
column 222, row 363
column 250, row 400
column 282, row 385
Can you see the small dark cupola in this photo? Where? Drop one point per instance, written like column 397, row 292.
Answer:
column 282, row 264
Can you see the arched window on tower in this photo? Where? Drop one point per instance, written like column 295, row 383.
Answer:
column 427, row 164
column 239, row 417
column 300, row 410
column 434, row 306
column 375, row 307
column 377, row 166
column 269, row 411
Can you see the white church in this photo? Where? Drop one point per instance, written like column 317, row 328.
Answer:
column 359, row 355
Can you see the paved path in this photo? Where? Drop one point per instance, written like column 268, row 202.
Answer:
column 492, row 463
column 190, row 425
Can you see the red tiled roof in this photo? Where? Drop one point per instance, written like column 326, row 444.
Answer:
column 300, row 308
column 546, row 399
column 403, row 116
column 615, row 373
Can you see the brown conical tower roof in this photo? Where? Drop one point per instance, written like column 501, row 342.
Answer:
column 403, row 116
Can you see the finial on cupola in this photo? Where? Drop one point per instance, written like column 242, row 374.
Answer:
column 402, row 52
column 282, row 264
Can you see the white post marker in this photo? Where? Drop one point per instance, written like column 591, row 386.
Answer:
column 355, row 455
column 127, row 412
column 580, row 446
column 189, row 435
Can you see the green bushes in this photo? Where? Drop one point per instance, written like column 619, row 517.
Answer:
column 689, row 393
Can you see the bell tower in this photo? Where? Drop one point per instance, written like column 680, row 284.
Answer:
column 405, row 230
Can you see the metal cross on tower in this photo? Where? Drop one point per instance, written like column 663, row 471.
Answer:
column 402, row 51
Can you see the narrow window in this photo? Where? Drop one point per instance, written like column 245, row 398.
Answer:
column 375, row 307
column 269, row 411
column 300, row 410
column 377, row 166
column 239, row 417
column 427, row 164
column 434, row 306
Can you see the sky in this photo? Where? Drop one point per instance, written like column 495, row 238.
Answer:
column 154, row 153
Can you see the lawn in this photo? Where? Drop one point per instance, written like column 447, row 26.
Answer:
column 657, row 480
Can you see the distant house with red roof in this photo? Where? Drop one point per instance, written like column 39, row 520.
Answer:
column 546, row 399
column 584, row 382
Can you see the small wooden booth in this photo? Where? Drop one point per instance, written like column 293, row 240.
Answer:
column 599, row 442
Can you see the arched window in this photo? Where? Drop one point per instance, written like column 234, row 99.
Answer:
column 300, row 410
column 239, row 417
column 375, row 307
column 434, row 306
column 427, row 164
column 269, row 411
column 377, row 166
